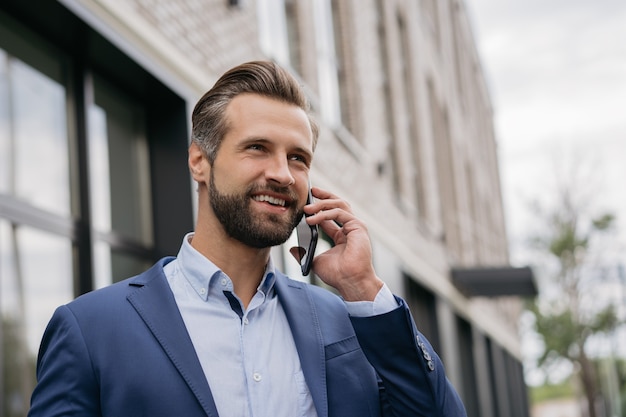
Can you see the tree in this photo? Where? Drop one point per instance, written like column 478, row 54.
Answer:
column 565, row 316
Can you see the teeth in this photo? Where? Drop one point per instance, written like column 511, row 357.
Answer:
column 271, row 200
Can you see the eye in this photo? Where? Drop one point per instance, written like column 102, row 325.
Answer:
column 299, row 158
column 256, row 147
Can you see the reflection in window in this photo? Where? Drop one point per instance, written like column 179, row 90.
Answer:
column 112, row 266
column 273, row 30
column 126, row 265
column 33, row 133
column 119, row 166
column 100, row 183
column 5, row 130
column 35, row 278
column 102, row 264
column 293, row 34
column 119, row 183
column 327, row 65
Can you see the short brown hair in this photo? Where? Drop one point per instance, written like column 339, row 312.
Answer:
column 265, row 78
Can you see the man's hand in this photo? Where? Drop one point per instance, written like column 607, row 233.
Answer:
column 348, row 265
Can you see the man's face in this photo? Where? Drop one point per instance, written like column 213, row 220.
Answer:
column 258, row 182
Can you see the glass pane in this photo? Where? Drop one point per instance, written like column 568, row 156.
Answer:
column 112, row 266
column 326, row 63
column 124, row 265
column 119, row 165
column 99, row 170
column 35, row 278
column 40, row 138
column 5, row 129
column 273, row 29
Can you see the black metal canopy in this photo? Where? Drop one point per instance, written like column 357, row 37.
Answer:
column 495, row 281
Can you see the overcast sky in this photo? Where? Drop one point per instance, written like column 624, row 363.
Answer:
column 556, row 70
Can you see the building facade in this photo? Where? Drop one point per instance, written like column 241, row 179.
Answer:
column 95, row 99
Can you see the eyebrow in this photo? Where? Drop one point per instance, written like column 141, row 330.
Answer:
column 261, row 139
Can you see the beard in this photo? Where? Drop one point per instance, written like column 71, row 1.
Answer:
column 258, row 231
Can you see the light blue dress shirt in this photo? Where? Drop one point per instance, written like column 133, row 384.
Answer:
column 248, row 356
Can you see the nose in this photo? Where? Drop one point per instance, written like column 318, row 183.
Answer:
column 279, row 172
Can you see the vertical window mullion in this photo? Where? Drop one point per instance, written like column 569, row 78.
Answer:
column 81, row 94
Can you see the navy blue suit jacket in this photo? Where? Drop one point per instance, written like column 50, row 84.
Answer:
column 124, row 351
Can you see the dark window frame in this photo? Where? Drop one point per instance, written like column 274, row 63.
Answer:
column 88, row 52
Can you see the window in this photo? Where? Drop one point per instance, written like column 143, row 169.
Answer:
column 445, row 174
column 119, row 181
column 33, row 129
column 423, row 306
column 273, row 35
column 35, row 277
column 469, row 386
column 327, row 63
column 35, row 194
column 279, row 33
column 411, row 120
column 293, row 35
column 94, row 184
column 391, row 161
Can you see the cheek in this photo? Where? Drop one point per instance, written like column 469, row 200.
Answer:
column 303, row 192
column 235, row 176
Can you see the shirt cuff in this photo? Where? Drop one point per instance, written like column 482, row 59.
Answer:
column 383, row 303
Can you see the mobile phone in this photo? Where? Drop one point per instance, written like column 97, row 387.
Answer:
column 307, row 241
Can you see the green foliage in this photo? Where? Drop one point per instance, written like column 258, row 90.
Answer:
column 18, row 371
column 604, row 321
column 560, row 333
column 565, row 241
column 552, row 391
column 604, row 223
column 564, row 334
column 563, row 320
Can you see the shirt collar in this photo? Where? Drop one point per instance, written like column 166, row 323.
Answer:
column 199, row 271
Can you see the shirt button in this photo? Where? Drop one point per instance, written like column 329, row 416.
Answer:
column 245, row 321
column 224, row 282
column 202, row 291
column 257, row 377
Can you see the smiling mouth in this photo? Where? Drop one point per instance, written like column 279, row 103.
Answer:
column 271, row 200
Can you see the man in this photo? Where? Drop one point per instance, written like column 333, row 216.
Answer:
column 217, row 331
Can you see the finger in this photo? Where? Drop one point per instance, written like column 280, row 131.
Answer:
column 322, row 194
column 335, row 220
column 331, row 228
column 322, row 205
column 330, row 213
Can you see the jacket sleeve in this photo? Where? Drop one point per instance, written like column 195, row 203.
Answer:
column 66, row 385
column 413, row 380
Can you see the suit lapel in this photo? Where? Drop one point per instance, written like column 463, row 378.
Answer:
column 155, row 303
column 305, row 328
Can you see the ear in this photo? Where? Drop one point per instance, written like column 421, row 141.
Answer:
column 198, row 163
